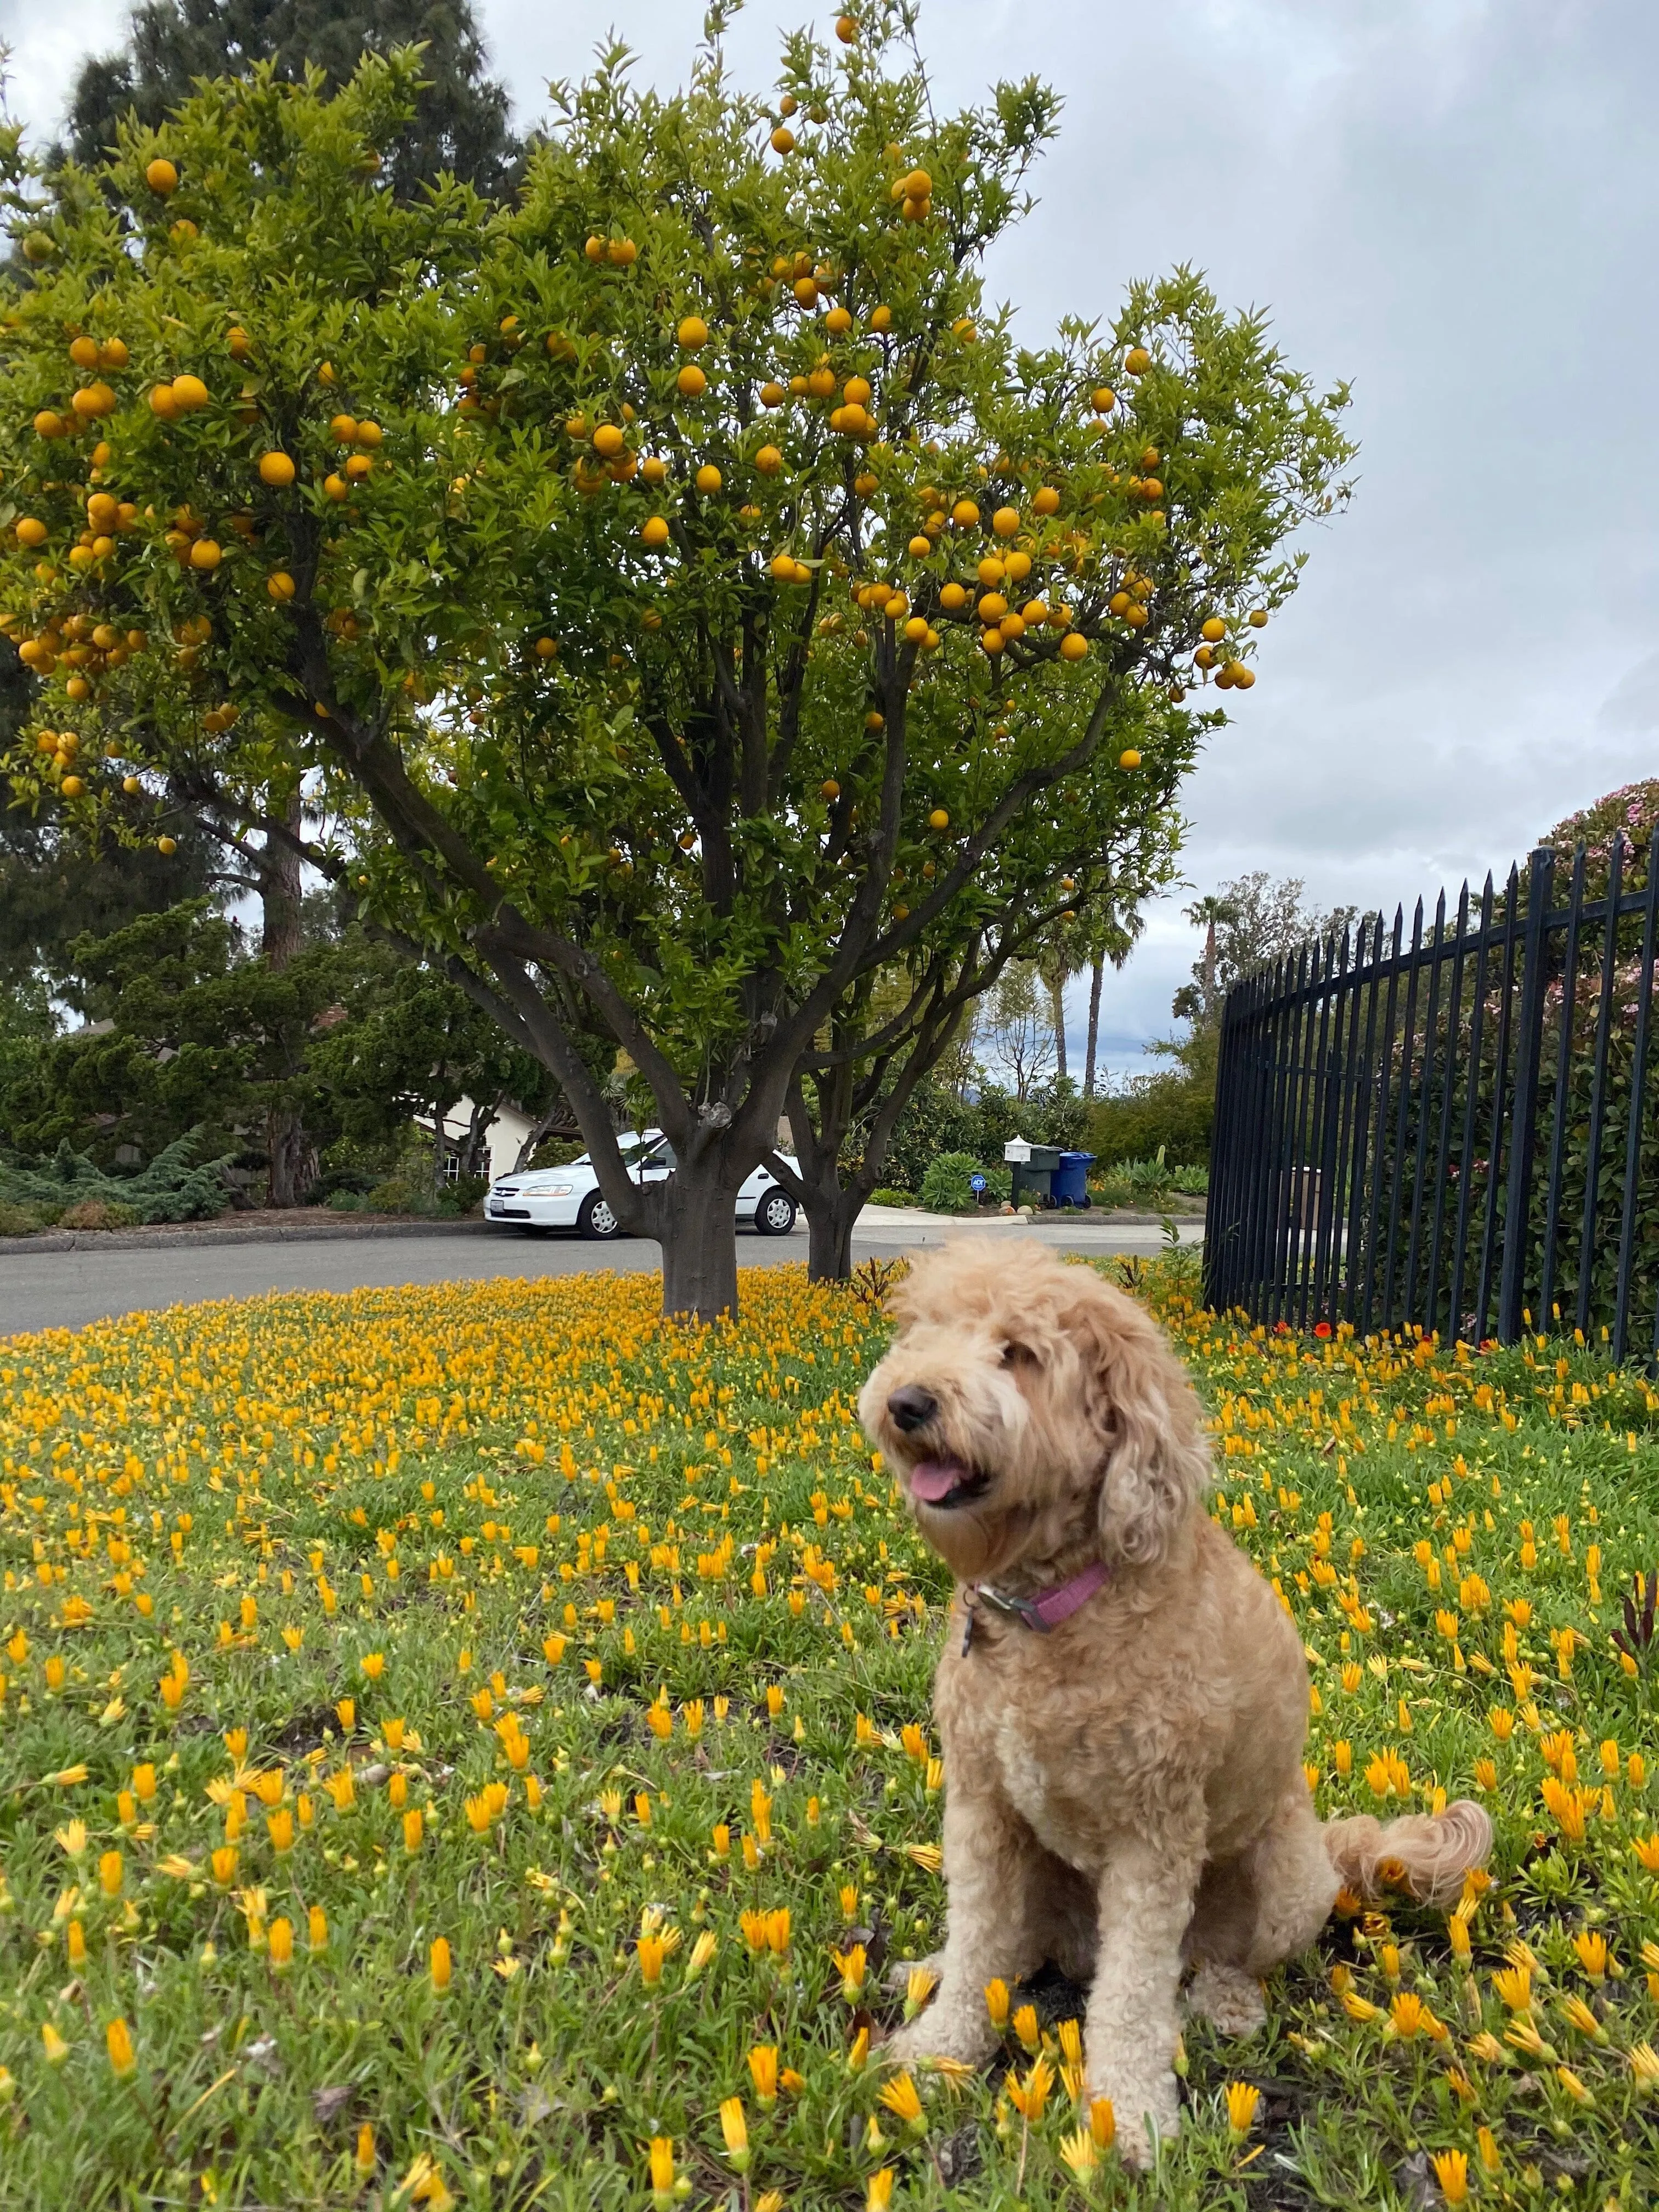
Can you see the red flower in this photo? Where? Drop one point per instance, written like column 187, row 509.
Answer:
column 1321, row 1328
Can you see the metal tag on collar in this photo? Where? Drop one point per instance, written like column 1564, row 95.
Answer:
column 1016, row 1609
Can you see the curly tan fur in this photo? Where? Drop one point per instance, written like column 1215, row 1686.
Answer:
column 1125, row 1795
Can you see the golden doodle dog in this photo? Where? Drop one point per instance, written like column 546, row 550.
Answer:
column 1122, row 1698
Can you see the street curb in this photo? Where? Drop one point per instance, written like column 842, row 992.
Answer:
column 315, row 1232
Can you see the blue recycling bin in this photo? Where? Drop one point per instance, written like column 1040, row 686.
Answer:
column 1071, row 1179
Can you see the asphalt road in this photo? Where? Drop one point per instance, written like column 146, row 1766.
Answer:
column 67, row 1289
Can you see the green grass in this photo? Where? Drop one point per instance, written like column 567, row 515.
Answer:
column 581, row 1454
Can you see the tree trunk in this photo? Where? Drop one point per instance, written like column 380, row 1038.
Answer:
column 558, row 1117
column 829, row 1217
column 1057, row 999
column 1095, row 974
column 292, row 1161
column 475, row 1155
column 694, row 1218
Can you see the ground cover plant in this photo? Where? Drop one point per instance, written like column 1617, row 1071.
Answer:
column 470, row 1745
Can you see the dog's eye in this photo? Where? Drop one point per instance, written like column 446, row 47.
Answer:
column 1019, row 1355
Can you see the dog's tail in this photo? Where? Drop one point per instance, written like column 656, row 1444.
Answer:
column 1425, row 1854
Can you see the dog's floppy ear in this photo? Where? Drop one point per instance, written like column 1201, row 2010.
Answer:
column 1139, row 1396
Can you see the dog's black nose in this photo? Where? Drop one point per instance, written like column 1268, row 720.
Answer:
column 912, row 1408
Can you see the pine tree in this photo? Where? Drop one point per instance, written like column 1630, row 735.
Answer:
column 460, row 121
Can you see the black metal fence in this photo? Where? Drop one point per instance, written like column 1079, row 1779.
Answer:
column 1453, row 1129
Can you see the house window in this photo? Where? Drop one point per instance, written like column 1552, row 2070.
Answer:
column 451, row 1166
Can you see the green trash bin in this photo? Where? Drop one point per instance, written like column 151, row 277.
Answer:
column 1034, row 1168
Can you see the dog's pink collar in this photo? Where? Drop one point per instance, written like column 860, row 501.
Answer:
column 1044, row 1612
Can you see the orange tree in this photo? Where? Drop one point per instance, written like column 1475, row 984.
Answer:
column 690, row 595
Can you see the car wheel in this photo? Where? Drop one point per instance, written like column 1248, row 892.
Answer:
column 596, row 1218
column 775, row 1214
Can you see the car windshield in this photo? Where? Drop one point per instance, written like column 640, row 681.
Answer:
column 633, row 1149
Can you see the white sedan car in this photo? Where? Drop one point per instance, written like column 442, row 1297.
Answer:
column 542, row 1199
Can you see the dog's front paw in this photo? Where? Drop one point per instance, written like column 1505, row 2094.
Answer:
column 1229, row 1998
column 942, row 2031
column 1147, row 2106
column 896, row 1979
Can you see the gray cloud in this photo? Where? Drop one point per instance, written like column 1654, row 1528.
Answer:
column 1449, row 202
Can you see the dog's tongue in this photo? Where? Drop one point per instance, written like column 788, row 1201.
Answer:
column 934, row 1478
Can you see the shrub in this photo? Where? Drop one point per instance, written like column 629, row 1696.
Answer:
column 99, row 1213
column 936, row 1121
column 464, row 1196
column 1171, row 1114
column 945, row 1187
column 400, row 1193
column 892, row 1197
column 19, row 1220
column 175, row 1187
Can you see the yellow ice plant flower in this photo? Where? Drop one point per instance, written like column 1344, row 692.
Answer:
column 735, row 2129
column 1645, row 2066
column 1409, row 2016
column 1592, row 1948
column 1514, row 1987
column 55, row 2049
column 1080, row 2154
column 701, row 1953
column 440, row 1964
column 280, row 1938
column 879, row 2195
column 1580, row 2016
column 1451, row 2171
column 1102, row 2123
column 72, row 1838
column 902, row 2098
column 919, row 1985
column 1574, row 2088
column 1026, row 2029
column 1029, row 2096
column 996, row 2004
column 651, row 1951
column 1242, row 2098
column 110, row 1874
column 764, row 2071
column 317, row 1929
column 659, row 2157
column 850, row 1966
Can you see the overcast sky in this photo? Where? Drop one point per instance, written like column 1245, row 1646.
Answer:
column 1450, row 203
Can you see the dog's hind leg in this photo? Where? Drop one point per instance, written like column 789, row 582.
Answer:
column 1295, row 1883
column 1222, row 1991
column 994, row 1927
